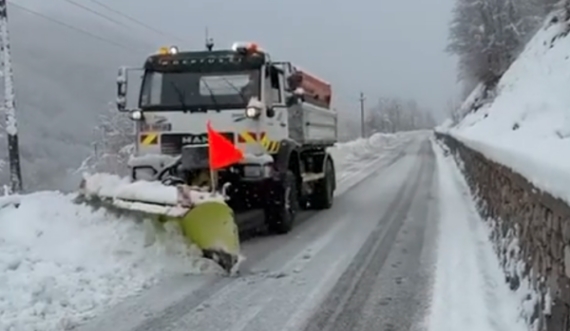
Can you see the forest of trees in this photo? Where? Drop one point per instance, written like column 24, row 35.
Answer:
column 391, row 115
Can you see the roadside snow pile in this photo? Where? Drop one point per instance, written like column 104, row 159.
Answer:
column 470, row 292
column 527, row 126
column 347, row 153
column 62, row 263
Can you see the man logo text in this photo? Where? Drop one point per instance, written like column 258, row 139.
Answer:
column 195, row 140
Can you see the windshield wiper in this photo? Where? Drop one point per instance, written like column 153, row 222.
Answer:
column 212, row 97
column 181, row 97
column 240, row 92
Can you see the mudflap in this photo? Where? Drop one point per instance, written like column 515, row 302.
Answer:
column 211, row 226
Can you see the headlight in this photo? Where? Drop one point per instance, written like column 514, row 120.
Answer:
column 252, row 112
column 136, row 115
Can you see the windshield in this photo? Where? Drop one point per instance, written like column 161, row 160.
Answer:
column 198, row 90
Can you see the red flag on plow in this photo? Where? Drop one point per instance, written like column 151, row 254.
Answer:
column 222, row 151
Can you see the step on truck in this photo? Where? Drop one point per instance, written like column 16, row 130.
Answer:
column 279, row 115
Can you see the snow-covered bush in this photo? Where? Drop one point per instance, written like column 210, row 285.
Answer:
column 114, row 146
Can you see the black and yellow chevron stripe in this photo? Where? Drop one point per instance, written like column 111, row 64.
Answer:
column 271, row 146
column 149, row 138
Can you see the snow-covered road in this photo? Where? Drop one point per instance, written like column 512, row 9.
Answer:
column 291, row 282
column 384, row 286
column 399, row 250
column 284, row 276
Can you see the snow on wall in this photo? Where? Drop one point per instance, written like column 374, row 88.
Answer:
column 467, row 260
column 516, row 270
column 527, row 126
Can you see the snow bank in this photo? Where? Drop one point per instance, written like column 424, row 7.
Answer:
column 470, row 292
column 347, row 153
column 527, row 126
column 61, row 263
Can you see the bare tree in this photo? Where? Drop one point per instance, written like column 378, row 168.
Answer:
column 394, row 114
column 487, row 35
column 115, row 144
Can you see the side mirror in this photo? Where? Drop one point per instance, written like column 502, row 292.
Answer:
column 292, row 100
column 270, row 112
column 298, row 96
column 122, row 82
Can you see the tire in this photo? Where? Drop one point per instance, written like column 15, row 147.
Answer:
column 243, row 197
column 323, row 196
column 283, row 205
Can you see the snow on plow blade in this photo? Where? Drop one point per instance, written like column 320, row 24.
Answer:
column 204, row 218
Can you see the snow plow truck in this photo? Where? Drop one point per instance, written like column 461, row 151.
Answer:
column 278, row 115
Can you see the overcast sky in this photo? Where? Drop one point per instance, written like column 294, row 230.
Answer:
column 380, row 47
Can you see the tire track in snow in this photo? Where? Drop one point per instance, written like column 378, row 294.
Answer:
column 400, row 296
column 282, row 260
column 295, row 289
column 342, row 309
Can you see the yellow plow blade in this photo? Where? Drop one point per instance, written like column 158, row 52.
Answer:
column 211, row 226
column 206, row 222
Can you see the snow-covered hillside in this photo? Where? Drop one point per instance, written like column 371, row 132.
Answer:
column 65, row 79
column 61, row 263
column 527, row 126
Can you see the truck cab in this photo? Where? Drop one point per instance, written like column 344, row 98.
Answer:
column 259, row 105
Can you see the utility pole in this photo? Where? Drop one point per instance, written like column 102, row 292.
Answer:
column 362, row 99
column 9, row 102
column 209, row 41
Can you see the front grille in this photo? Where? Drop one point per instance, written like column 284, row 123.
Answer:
column 195, row 157
column 172, row 143
column 170, row 149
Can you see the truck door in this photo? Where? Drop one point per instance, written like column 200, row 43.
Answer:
column 277, row 124
column 129, row 81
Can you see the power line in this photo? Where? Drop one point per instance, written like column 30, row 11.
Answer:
column 76, row 4
column 134, row 20
column 69, row 26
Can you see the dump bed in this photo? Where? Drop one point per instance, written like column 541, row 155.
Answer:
column 310, row 124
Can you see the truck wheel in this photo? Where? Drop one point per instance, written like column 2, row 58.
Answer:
column 283, row 204
column 323, row 196
column 243, row 197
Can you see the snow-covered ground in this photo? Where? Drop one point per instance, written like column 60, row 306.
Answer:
column 527, row 126
column 470, row 292
column 62, row 263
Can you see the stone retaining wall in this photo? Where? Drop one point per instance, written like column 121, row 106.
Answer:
column 531, row 233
